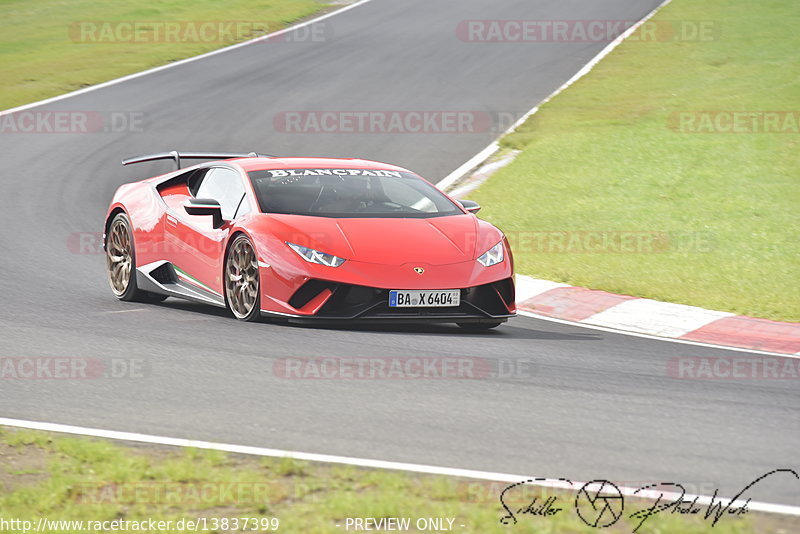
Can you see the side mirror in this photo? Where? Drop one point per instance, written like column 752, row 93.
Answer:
column 470, row 205
column 205, row 206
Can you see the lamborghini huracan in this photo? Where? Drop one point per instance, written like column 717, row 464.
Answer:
column 307, row 239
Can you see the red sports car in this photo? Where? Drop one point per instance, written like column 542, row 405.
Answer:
column 307, row 239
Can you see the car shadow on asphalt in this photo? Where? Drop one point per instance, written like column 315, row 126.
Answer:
column 505, row 331
column 193, row 307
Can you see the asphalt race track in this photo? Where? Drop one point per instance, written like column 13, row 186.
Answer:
column 585, row 404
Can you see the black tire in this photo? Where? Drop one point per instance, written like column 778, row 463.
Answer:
column 121, row 262
column 478, row 327
column 242, row 280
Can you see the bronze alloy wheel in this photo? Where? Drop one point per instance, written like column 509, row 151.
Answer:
column 121, row 262
column 241, row 280
column 119, row 256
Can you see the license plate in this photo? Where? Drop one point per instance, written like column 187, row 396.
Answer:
column 428, row 298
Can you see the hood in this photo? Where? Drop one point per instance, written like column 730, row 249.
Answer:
column 433, row 241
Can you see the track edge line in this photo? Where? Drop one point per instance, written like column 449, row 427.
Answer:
column 780, row 509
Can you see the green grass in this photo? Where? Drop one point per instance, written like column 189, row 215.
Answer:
column 602, row 157
column 72, row 478
column 42, row 53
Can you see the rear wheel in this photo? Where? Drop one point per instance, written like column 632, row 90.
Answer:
column 242, row 291
column 121, row 262
column 476, row 327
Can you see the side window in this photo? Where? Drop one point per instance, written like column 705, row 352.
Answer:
column 225, row 186
column 402, row 192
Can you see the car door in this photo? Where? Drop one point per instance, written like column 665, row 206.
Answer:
column 175, row 197
column 203, row 244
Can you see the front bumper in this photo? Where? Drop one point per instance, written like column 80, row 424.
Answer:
column 320, row 300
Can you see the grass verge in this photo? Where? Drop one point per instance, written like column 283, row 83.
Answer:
column 50, row 47
column 82, row 479
column 613, row 192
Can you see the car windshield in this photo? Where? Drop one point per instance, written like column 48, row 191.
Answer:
column 349, row 193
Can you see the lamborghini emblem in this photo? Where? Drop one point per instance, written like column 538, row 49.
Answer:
column 419, row 270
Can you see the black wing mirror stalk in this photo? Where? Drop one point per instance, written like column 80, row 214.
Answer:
column 205, row 206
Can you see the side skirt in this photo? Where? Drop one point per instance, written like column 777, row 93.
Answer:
column 161, row 277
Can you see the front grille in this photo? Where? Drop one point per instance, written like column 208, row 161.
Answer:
column 352, row 301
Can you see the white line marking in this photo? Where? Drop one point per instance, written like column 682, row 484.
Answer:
column 471, row 163
column 648, row 316
column 533, row 315
column 483, row 173
column 182, row 61
column 126, row 311
column 360, row 462
column 481, row 156
column 527, row 287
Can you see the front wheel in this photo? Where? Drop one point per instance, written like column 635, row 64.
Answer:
column 121, row 262
column 242, row 291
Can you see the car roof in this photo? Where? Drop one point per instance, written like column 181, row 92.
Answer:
column 263, row 164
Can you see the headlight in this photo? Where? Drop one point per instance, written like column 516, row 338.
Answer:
column 315, row 256
column 492, row 256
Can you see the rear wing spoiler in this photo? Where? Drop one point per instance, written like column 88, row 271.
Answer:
column 178, row 156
